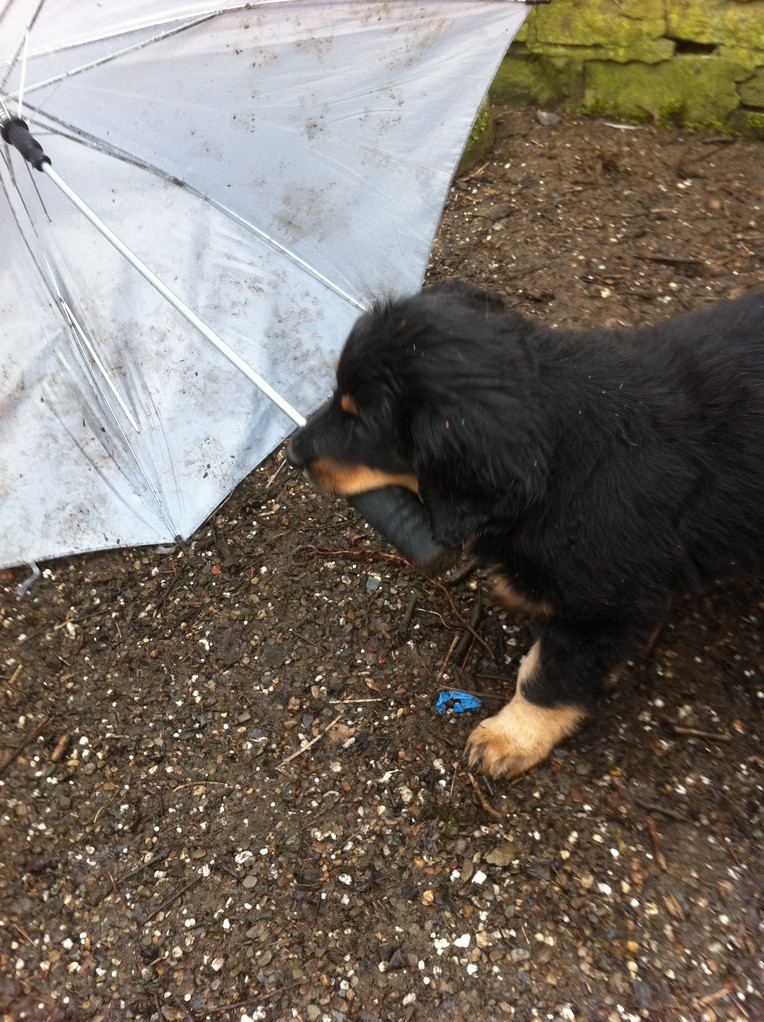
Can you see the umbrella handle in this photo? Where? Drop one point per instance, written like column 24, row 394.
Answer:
column 16, row 133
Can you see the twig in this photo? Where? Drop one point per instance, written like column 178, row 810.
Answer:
column 440, row 737
column 725, row 991
column 462, row 620
column 24, row 934
column 482, row 799
column 623, row 127
column 270, row 480
column 193, row 784
column 60, row 748
column 315, row 551
column 409, row 613
column 453, row 780
column 84, row 616
column 171, row 900
column 671, row 260
column 159, row 857
column 468, row 635
column 304, row 638
column 31, row 737
column 310, row 744
column 339, row 702
column 660, row 858
column 443, row 666
column 694, row 732
column 459, row 576
column 265, row 996
column 655, row 808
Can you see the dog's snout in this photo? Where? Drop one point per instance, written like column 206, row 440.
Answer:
column 293, row 454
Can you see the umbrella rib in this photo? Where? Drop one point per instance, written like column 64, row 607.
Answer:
column 21, row 44
column 173, row 531
column 117, row 54
column 99, row 145
column 20, row 102
column 71, row 319
column 89, row 347
column 207, row 332
column 283, row 250
column 132, row 48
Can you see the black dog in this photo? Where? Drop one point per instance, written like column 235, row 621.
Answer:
column 595, row 472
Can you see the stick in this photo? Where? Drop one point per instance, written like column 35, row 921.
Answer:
column 193, row 784
column 267, row 995
column 60, row 748
column 482, row 799
column 655, row 808
column 159, row 857
column 33, row 734
column 339, row 702
column 694, row 732
column 467, row 636
column 410, row 608
column 671, row 260
column 462, row 620
column 310, row 744
column 443, row 666
column 459, row 576
column 173, row 898
column 660, row 858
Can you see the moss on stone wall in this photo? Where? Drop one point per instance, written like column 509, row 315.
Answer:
column 697, row 63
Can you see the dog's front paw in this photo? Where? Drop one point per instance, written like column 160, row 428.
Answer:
column 495, row 751
column 519, row 736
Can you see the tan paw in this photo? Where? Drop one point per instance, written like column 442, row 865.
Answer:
column 519, row 736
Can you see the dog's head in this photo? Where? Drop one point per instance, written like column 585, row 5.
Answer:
column 435, row 393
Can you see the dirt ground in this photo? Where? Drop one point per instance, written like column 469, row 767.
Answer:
column 226, row 794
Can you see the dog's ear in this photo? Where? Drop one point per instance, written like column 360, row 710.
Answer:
column 474, row 478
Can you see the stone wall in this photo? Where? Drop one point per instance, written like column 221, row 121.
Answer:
column 695, row 63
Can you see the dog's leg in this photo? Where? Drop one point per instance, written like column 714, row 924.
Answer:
column 559, row 681
column 523, row 732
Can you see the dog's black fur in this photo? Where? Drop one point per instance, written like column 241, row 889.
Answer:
column 596, row 472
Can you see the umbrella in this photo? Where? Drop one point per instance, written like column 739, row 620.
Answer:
column 222, row 188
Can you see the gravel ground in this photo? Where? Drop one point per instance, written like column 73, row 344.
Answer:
column 225, row 793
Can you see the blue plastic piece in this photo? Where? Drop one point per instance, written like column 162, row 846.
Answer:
column 458, row 701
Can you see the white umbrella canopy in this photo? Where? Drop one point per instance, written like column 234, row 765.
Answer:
column 276, row 164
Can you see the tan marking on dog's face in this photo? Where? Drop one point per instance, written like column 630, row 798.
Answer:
column 347, row 404
column 521, row 734
column 516, row 602
column 348, row 480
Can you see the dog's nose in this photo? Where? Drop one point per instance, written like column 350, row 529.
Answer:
column 293, row 455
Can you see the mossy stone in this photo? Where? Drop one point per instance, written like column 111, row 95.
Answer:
column 694, row 63
column 480, row 141
column 717, row 21
column 688, row 90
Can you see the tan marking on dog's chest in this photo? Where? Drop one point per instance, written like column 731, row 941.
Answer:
column 515, row 601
